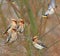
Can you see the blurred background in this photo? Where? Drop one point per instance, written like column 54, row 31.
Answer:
column 31, row 11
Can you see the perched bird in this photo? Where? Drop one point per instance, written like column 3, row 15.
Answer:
column 21, row 25
column 13, row 25
column 37, row 43
column 51, row 8
column 12, row 36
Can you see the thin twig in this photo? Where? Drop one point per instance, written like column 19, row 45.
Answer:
column 49, row 31
column 57, row 17
column 14, row 6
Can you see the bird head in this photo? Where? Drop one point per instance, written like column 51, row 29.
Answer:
column 14, row 20
column 35, row 38
column 21, row 21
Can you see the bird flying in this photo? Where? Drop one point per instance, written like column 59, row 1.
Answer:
column 51, row 8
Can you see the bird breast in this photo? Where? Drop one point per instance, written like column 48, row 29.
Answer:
column 51, row 11
column 13, row 25
column 13, row 36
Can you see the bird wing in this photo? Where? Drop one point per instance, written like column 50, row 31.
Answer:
column 52, row 4
column 40, row 43
column 38, row 46
column 47, row 12
column 8, row 39
column 7, row 29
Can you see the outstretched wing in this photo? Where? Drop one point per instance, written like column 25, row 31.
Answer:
column 52, row 4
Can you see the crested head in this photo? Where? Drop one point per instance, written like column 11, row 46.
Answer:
column 21, row 21
column 13, row 2
column 34, row 38
column 14, row 20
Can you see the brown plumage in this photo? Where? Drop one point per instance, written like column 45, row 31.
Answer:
column 13, row 25
column 11, row 31
column 12, row 36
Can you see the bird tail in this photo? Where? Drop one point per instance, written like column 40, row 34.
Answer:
column 8, row 39
column 44, row 46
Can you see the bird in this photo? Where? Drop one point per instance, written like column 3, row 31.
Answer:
column 37, row 43
column 51, row 8
column 21, row 26
column 13, row 25
column 12, row 36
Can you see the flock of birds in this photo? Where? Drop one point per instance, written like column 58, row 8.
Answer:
column 17, row 26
